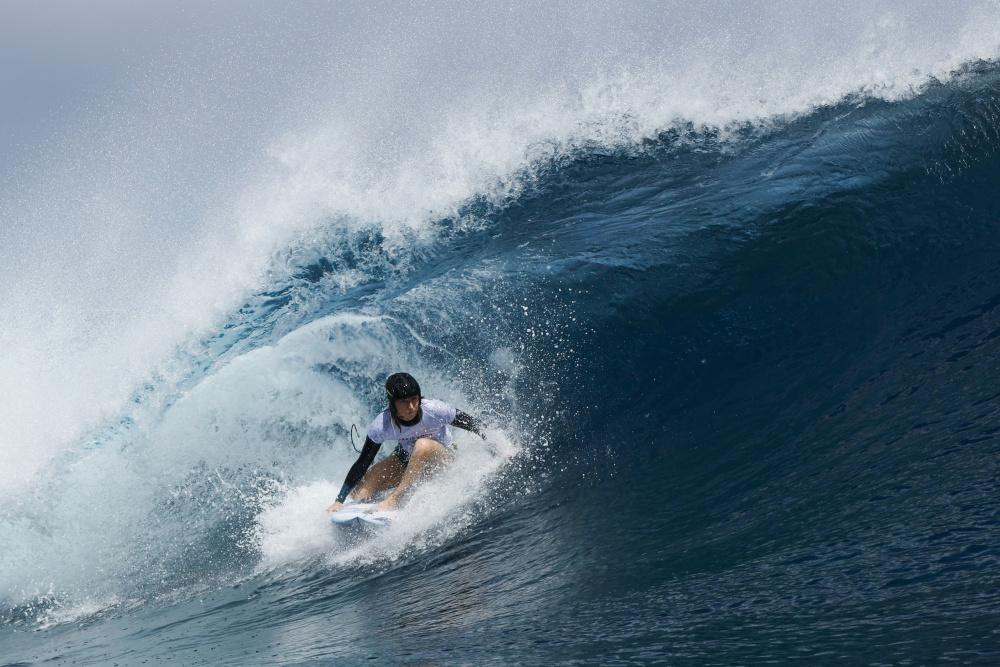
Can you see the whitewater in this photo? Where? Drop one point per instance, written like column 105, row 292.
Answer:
column 720, row 279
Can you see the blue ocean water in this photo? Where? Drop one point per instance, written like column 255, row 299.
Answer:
column 743, row 395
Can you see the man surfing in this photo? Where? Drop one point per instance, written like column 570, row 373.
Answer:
column 420, row 427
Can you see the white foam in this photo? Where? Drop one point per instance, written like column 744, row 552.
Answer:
column 296, row 528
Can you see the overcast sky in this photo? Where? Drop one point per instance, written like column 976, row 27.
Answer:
column 58, row 57
column 55, row 54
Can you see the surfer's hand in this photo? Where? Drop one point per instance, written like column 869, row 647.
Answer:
column 385, row 506
column 334, row 507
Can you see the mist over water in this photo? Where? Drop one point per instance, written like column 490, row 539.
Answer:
column 210, row 264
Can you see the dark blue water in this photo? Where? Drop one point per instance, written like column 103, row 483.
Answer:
column 752, row 382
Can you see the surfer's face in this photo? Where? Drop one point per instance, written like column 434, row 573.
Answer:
column 407, row 408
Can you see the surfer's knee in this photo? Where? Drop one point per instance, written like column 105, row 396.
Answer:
column 426, row 447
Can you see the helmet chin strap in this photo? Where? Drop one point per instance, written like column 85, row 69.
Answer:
column 411, row 422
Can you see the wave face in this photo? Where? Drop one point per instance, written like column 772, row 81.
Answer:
column 737, row 345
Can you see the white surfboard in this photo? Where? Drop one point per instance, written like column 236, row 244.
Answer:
column 363, row 514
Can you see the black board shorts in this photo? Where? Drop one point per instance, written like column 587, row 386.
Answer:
column 402, row 455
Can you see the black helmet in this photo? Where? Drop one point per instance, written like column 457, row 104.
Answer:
column 400, row 386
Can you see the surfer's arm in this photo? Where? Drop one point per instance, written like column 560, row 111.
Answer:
column 467, row 422
column 358, row 470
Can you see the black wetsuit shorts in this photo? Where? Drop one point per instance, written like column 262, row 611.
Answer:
column 402, row 455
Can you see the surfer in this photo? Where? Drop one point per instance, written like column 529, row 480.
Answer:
column 420, row 427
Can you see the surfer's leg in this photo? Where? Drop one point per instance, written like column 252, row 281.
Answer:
column 427, row 456
column 383, row 475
